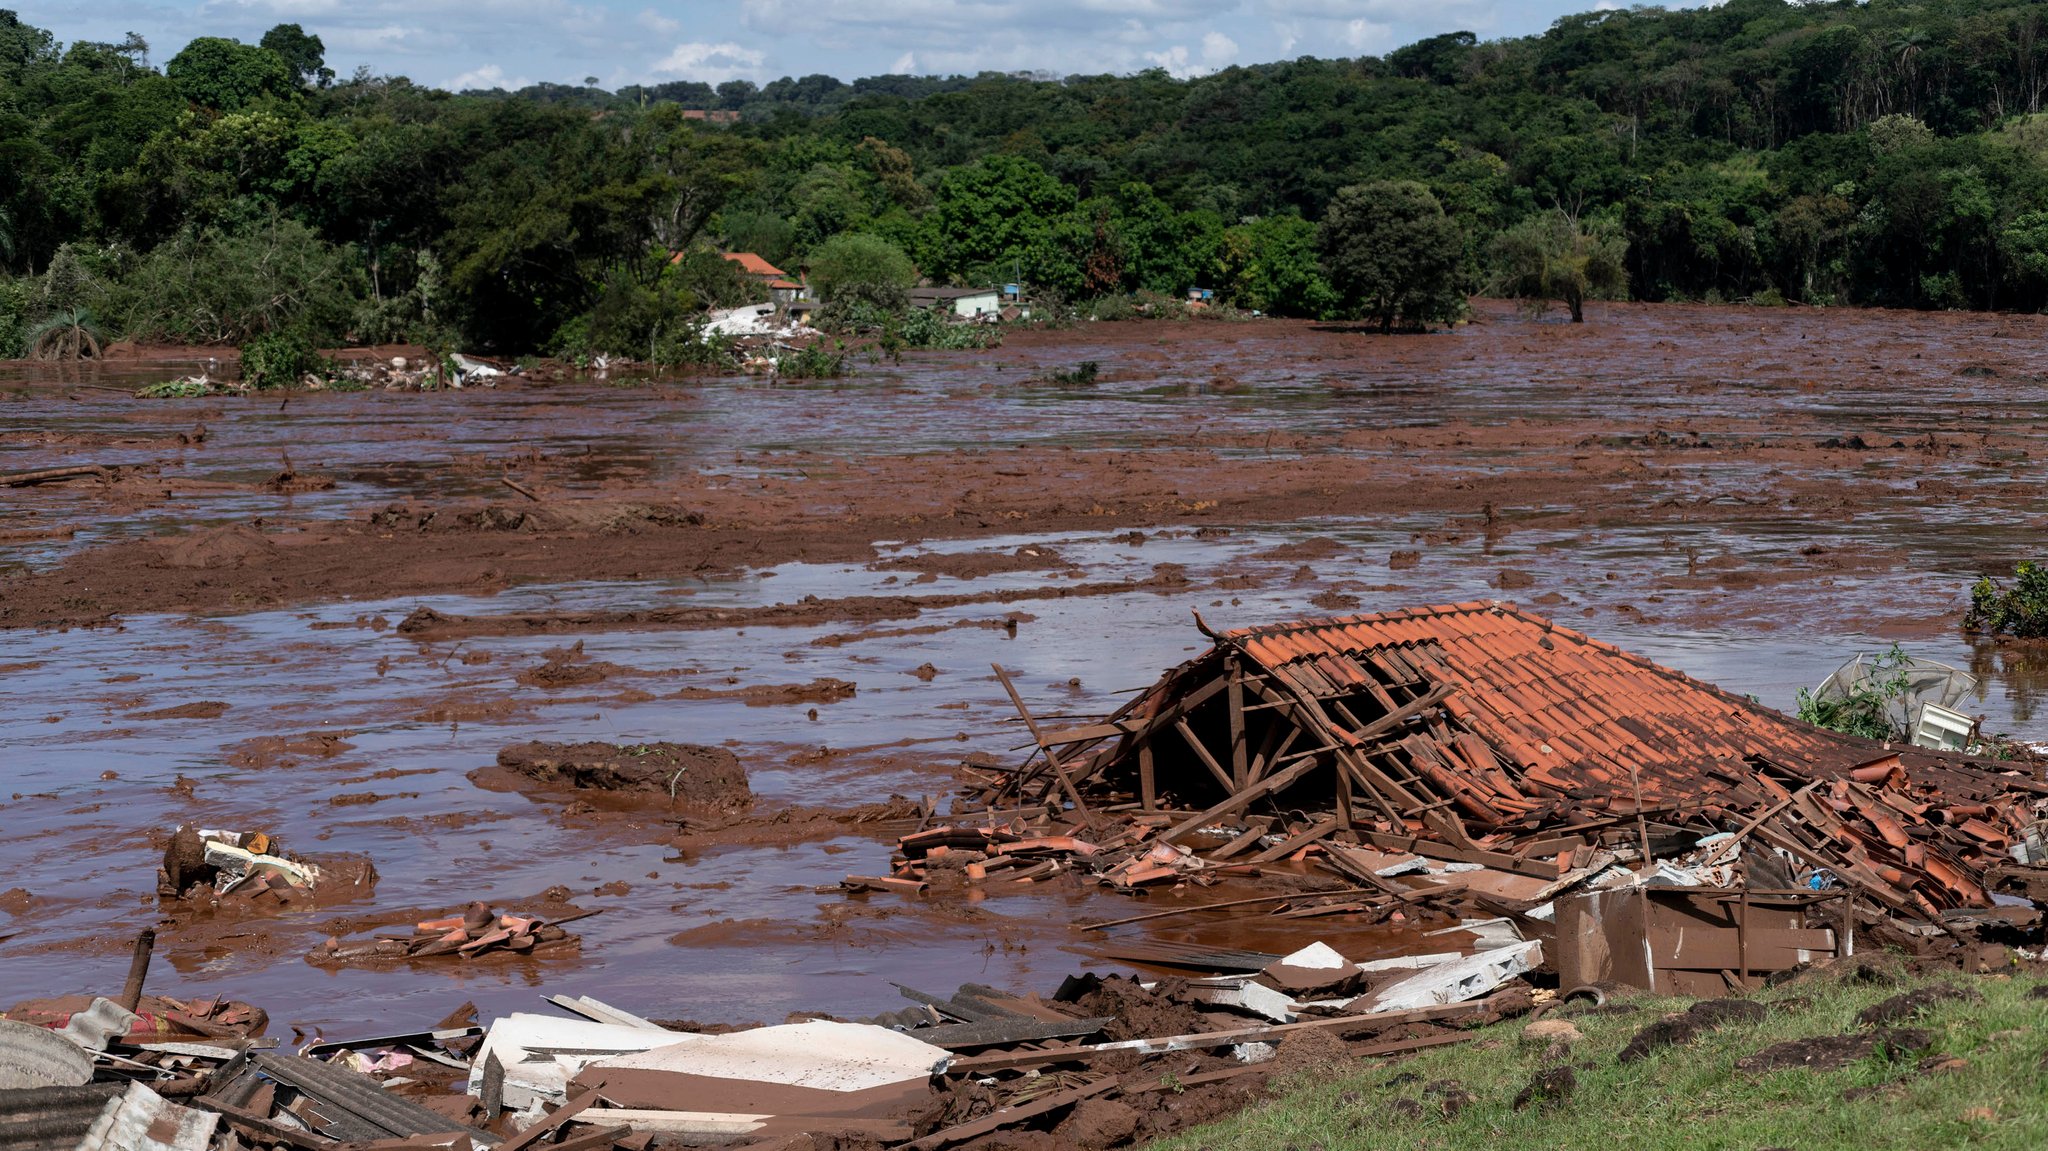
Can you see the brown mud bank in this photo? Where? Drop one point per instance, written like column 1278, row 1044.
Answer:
column 1816, row 426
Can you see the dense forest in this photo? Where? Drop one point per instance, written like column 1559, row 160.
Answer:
column 1893, row 153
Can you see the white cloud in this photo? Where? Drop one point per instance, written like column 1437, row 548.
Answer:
column 388, row 38
column 1367, row 37
column 712, row 63
column 1175, row 61
column 1218, row 49
column 658, row 24
column 488, row 76
column 905, row 65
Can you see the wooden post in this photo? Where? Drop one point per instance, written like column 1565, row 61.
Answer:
column 1148, row 785
column 1240, row 768
column 1742, row 938
column 138, row 968
column 1272, row 747
column 1642, row 825
column 1243, row 799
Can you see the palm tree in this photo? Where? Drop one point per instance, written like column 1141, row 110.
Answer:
column 68, row 335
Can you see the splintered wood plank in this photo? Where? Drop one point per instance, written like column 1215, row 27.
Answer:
column 1052, row 759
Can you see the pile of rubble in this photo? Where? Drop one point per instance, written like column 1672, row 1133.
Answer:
column 1101, row 1060
column 253, row 871
column 478, row 931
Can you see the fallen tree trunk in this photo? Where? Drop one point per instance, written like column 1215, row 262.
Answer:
column 54, row 475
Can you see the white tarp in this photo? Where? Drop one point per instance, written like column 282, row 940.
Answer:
column 529, row 1046
column 752, row 320
column 821, row 1054
column 534, row 1050
column 1458, row 980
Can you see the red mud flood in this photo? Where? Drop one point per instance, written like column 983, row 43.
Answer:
column 1750, row 496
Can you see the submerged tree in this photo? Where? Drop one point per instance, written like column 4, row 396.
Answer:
column 1391, row 253
column 1555, row 256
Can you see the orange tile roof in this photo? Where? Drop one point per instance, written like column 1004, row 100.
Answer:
column 754, row 265
column 1567, row 715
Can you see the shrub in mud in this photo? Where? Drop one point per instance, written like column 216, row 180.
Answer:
column 816, row 362
column 279, row 360
column 2019, row 610
column 929, row 328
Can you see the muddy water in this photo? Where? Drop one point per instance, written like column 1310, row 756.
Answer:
column 1760, row 376
column 742, row 932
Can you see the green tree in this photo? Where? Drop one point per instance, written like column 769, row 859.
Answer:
column 1270, row 265
column 228, row 286
column 1552, row 256
column 22, row 47
column 228, row 75
column 895, row 171
column 301, row 51
column 1391, row 254
column 827, row 200
column 988, row 213
column 854, row 268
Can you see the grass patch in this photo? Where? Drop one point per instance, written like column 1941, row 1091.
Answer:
column 1691, row 1095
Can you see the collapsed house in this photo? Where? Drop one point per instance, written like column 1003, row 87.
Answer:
column 1482, row 734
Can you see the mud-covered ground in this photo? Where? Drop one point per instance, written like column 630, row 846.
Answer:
column 325, row 615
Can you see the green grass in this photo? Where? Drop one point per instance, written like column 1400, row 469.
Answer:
column 1691, row 1095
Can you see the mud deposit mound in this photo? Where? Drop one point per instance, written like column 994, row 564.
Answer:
column 227, row 547
column 688, row 773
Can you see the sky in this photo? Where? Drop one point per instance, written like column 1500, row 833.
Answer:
column 510, row 43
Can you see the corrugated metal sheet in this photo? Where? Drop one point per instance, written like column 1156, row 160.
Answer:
column 357, row 1108
column 32, row 1056
column 101, row 1117
column 52, row 1118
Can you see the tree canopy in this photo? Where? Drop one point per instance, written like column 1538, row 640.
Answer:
column 1392, row 254
column 1828, row 152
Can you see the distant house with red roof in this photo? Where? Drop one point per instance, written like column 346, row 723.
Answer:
column 756, row 267
column 781, row 288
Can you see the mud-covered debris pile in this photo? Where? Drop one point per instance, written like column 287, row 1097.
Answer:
column 476, row 932
column 252, row 870
column 687, row 774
